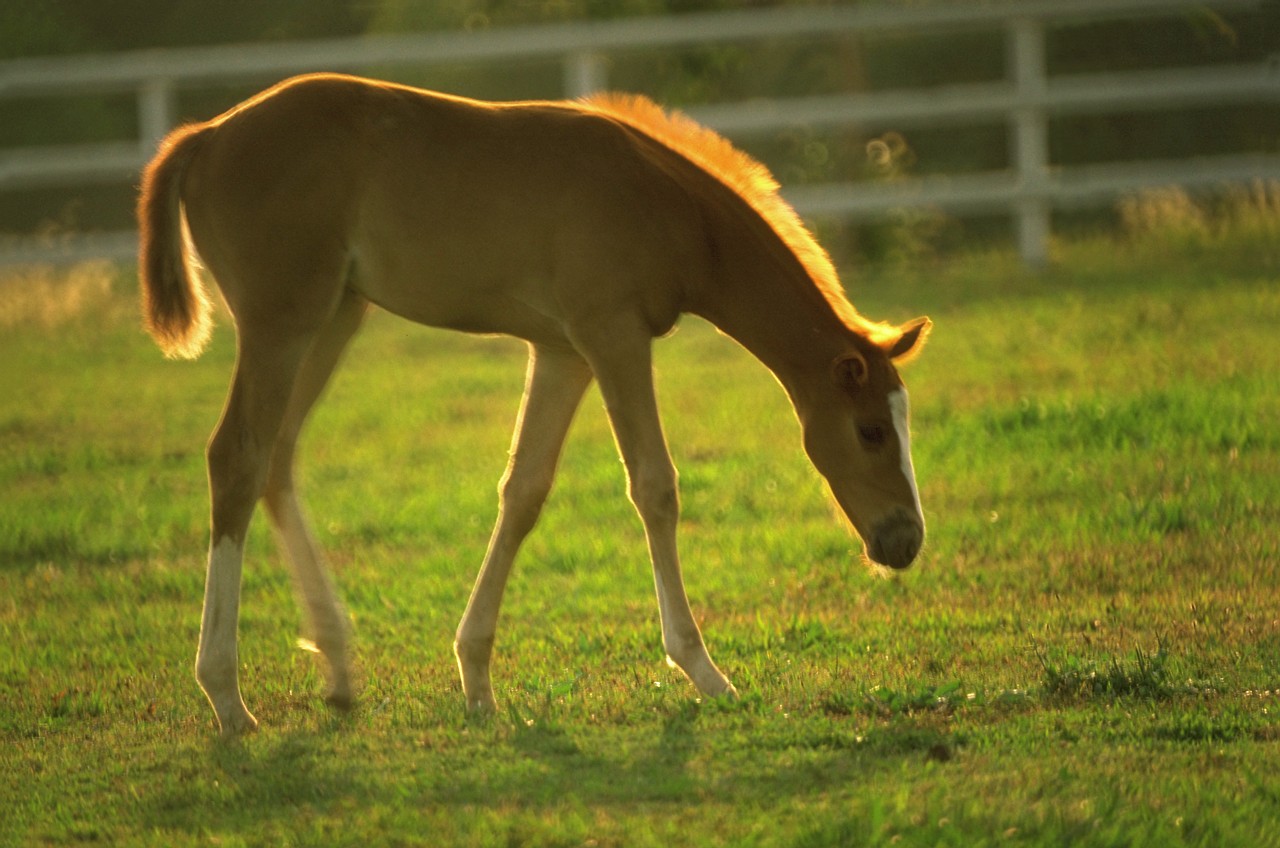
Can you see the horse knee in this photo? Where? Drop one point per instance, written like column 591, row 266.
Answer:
column 521, row 498
column 656, row 496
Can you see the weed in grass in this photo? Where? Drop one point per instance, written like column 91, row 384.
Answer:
column 888, row 703
column 1146, row 676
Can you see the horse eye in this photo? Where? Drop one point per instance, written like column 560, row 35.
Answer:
column 871, row 434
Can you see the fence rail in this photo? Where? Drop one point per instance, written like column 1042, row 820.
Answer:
column 1026, row 99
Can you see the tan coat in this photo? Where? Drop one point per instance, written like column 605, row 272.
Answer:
column 585, row 228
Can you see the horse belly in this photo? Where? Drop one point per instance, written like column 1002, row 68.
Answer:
column 472, row 273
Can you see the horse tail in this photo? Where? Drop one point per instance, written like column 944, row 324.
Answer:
column 176, row 310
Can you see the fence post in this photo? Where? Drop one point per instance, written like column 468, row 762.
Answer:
column 1030, row 137
column 155, row 113
column 585, row 72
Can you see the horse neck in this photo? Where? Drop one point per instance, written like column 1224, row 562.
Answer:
column 763, row 298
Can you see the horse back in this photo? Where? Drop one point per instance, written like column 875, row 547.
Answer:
column 450, row 211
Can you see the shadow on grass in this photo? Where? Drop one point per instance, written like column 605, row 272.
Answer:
column 310, row 779
column 590, row 773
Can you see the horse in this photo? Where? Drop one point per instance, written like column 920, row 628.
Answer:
column 585, row 228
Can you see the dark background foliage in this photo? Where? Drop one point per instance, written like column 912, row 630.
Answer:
column 679, row 77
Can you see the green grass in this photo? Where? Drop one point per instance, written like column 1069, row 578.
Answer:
column 1087, row 652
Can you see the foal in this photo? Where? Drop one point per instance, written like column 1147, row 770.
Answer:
column 585, row 228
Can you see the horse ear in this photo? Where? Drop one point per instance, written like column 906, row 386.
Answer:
column 850, row 371
column 911, row 342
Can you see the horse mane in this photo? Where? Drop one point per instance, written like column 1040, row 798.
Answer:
column 751, row 180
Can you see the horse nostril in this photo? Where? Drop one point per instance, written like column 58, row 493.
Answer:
column 896, row 541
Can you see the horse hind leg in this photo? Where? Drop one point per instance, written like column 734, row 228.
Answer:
column 327, row 620
column 238, row 456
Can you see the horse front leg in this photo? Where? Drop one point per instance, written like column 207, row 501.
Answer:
column 555, row 383
column 622, row 363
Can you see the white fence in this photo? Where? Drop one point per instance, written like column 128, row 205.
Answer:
column 1026, row 99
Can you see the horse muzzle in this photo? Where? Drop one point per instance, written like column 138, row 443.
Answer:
column 896, row 540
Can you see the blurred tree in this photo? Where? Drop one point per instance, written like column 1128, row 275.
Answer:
column 43, row 27
column 683, row 77
column 409, row 15
column 35, row 29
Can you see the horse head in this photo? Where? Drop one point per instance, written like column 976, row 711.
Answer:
column 856, row 421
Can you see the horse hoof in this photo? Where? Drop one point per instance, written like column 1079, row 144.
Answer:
column 481, row 707
column 236, row 726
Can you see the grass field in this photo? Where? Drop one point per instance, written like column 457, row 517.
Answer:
column 1086, row 653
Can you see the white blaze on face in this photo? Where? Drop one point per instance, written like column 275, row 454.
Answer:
column 900, row 406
